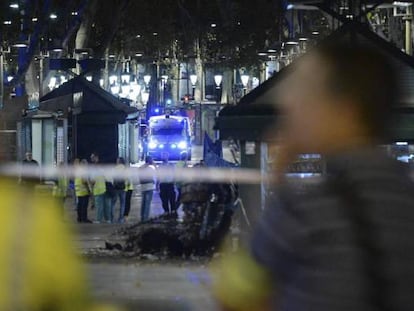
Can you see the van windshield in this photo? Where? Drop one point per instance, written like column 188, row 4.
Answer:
column 167, row 131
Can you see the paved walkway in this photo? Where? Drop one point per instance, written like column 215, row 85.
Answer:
column 141, row 284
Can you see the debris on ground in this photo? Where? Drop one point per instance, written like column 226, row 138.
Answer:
column 199, row 234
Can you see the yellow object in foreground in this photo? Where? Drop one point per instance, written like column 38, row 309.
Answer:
column 240, row 283
column 38, row 267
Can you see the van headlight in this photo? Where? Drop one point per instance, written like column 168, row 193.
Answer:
column 182, row 145
column 152, row 145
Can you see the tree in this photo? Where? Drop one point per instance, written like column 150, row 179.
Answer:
column 221, row 33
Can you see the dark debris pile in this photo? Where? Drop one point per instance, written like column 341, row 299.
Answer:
column 166, row 237
column 208, row 211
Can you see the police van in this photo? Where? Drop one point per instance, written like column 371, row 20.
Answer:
column 169, row 135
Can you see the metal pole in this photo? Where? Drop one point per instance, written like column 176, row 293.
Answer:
column 1, row 77
column 408, row 40
column 41, row 75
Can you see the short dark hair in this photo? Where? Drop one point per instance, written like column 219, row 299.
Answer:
column 365, row 75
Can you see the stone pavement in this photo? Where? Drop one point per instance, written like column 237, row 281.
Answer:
column 141, row 284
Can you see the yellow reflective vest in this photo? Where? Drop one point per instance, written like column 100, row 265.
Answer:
column 99, row 186
column 129, row 185
column 60, row 189
column 81, row 187
column 38, row 267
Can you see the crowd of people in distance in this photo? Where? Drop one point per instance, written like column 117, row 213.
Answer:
column 111, row 199
column 102, row 194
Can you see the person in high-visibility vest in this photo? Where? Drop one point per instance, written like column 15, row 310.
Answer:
column 60, row 189
column 39, row 269
column 82, row 193
column 99, row 189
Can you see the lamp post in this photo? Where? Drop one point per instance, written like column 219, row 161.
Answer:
column 145, row 98
column 193, row 79
column 164, row 80
column 147, row 80
column 113, row 79
column 52, row 83
column 218, row 79
column 245, row 81
column 125, row 88
column 135, row 90
column 125, row 77
column 1, row 77
column 114, row 89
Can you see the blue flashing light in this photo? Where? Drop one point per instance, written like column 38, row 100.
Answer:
column 173, row 146
column 168, row 102
column 161, row 146
column 157, row 110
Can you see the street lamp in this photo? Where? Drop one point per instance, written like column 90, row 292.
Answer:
column 125, row 77
column 193, row 79
column 164, row 79
column 147, row 79
column 145, row 97
column 52, row 83
column 245, row 81
column 125, row 88
column 114, row 89
column 20, row 44
column 113, row 79
column 217, row 80
column 255, row 82
column 135, row 90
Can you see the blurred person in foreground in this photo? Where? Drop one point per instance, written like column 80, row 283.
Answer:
column 345, row 244
column 39, row 269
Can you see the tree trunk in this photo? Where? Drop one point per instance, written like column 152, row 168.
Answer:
column 199, row 68
column 227, row 85
column 106, row 71
column 114, row 21
column 175, row 76
column 32, row 84
column 83, row 33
